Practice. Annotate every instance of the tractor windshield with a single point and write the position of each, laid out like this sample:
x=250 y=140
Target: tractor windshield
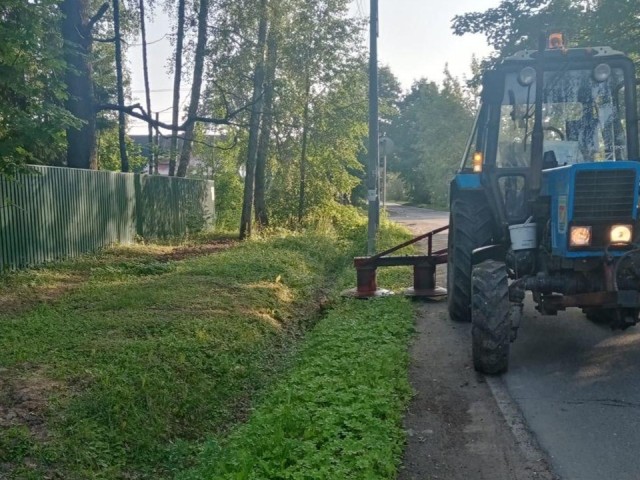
x=583 y=116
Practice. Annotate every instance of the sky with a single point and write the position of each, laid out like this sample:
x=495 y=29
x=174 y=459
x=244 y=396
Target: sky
x=415 y=41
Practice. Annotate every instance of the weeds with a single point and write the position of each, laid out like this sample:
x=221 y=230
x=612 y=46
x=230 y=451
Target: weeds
x=338 y=414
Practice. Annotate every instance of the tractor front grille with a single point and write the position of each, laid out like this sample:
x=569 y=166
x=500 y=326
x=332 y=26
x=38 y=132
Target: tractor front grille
x=603 y=195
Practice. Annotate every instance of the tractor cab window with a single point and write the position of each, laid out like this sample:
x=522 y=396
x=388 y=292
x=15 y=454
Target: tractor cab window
x=583 y=117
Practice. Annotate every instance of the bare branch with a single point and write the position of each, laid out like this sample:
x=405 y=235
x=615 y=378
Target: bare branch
x=138 y=112
x=99 y=14
x=104 y=40
x=236 y=140
x=132 y=110
x=230 y=147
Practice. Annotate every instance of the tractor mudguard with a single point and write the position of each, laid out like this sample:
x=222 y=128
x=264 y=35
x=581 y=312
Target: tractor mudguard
x=496 y=252
x=468 y=181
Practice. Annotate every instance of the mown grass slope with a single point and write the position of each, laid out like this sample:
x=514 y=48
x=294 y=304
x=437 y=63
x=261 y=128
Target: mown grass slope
x=127 y=364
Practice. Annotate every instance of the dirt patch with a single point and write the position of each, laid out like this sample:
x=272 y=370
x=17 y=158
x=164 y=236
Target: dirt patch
x=24 y=400
x=181 y=253
x=22 y=298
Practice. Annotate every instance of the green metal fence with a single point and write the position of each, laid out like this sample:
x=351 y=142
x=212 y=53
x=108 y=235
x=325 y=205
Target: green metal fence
x=55 y=213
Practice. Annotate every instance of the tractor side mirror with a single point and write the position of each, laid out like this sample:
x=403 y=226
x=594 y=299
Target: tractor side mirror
x=492 y=87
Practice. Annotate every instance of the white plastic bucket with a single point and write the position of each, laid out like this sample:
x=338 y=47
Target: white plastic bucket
x=523 y=236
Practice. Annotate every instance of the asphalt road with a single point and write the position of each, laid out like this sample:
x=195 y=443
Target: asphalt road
x=578 y=387
x=575 y=383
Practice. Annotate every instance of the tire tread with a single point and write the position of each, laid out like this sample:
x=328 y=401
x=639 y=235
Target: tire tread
x=491 y=320
x=473 y=226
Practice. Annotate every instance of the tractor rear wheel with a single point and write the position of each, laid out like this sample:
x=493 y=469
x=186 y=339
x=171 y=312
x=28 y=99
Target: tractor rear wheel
x=470 y=227
x=491 y=321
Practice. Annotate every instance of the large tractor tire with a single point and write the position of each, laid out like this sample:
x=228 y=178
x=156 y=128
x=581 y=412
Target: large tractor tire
x=470 y=227
x=491 y=321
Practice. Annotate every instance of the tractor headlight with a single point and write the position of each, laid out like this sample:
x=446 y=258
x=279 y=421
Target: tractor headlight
x=580 y=236
x=621 y=234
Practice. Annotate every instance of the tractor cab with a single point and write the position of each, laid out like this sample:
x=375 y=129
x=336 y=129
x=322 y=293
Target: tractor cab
x=587 y=114
x=546 y=198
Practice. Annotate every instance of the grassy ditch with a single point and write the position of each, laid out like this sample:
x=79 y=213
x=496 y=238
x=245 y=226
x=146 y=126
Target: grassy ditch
x=141 y=362
x=338 y=413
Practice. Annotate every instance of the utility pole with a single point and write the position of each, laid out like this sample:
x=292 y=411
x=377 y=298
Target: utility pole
x=372 y=170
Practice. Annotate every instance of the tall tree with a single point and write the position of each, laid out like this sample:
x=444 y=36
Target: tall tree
x=147 y=89
x=254 y=123
x=338 y=127
x=196 y=88
x=305 y=143
x=177 y=76
x=122 y=126
x=312 y=61
x=321 y=47
x=260 y=201
x=77 y=28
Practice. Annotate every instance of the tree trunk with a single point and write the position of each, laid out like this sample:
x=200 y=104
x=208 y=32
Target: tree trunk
x=303 y=153
x=198 y=68
x=122 y=126
x=265 y=132
x=76 y=33
x=254 y=125
x=176 y=88
x=156 y=151
x=147 y=90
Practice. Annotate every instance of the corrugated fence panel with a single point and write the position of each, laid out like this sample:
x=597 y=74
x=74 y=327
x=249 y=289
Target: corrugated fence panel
x=56 y=213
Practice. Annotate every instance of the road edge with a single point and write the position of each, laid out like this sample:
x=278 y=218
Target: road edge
x=514 y=418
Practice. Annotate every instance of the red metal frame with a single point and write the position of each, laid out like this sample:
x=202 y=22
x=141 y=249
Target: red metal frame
x=424 y=269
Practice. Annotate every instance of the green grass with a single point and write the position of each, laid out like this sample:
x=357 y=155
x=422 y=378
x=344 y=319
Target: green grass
x=129 y=364
x=338 y=414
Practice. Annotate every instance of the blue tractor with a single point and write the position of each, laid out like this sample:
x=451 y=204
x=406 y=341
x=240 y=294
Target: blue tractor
x=546 y=198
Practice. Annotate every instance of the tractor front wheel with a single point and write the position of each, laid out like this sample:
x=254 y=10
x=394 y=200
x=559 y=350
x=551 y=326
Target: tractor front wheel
x=470 y=227
x=491 y=321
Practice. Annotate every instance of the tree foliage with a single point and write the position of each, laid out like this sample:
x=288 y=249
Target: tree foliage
x=516 y=24
x=294 y=71
x=32 y=92
x=308 y=66
x=109 y=152
x=430 y=133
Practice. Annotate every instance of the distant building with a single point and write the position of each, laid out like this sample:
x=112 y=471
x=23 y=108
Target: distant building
x=196 y=164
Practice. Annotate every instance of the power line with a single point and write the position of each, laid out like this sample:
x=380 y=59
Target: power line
x=149 y=43
x=161 y=90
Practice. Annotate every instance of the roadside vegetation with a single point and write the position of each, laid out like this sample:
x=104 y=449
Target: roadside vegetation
x=152 y=361
x=338 y=413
